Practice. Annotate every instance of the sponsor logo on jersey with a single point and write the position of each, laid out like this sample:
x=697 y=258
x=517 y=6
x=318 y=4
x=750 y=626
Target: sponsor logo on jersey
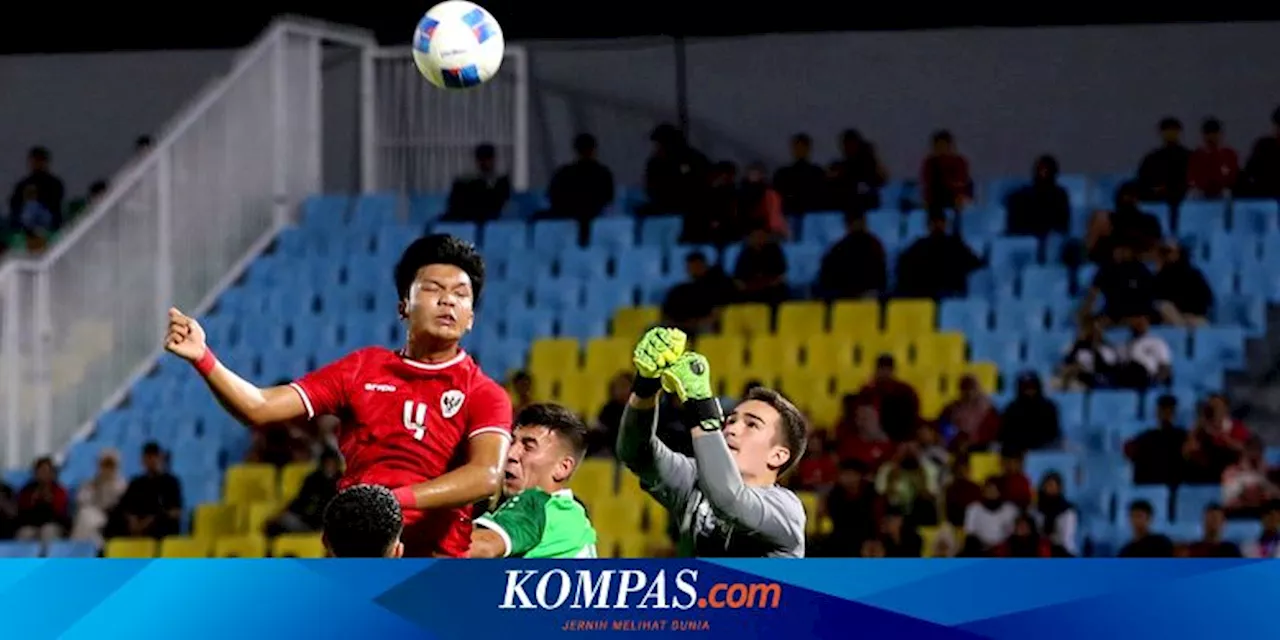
x=451 y=403
x=382 y=388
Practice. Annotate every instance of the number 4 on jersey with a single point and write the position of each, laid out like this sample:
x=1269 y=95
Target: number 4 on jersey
x=415 y=418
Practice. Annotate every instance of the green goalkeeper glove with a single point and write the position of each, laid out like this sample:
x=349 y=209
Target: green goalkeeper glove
x=657 y=349
x=690 y=379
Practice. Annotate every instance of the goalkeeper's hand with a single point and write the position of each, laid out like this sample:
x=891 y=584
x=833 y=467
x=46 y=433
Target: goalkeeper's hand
x=689 y=377
x=657 y=349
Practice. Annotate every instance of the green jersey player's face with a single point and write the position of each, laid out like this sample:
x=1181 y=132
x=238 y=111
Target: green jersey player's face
x=751 y=432
x=537 y=458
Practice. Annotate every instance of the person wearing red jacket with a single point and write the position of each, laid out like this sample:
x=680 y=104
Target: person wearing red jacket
x=44 y=507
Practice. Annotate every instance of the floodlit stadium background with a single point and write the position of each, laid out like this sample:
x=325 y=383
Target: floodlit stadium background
x=227 y=215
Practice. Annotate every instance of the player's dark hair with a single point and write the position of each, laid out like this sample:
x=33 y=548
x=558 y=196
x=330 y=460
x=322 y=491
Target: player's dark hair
x=793 y=428
x=363 y=521
x=1141 y=506
x=439 y=248
x=561 y=421
x=40 y=154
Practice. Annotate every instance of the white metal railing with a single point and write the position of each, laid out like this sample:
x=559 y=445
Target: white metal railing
x=418 y=138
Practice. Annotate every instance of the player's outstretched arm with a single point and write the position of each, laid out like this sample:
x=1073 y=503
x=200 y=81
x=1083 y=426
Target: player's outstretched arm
x=666 y=474
x=477 y=479
x=249 y=404
x=771 y=515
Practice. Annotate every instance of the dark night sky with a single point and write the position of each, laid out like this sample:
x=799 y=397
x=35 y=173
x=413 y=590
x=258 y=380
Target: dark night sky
x=97 y=27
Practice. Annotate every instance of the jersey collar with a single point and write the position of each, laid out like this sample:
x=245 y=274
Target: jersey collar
x=436 y=366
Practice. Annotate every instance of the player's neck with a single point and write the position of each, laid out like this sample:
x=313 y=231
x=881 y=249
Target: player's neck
x=429 y=352
x=762 y=480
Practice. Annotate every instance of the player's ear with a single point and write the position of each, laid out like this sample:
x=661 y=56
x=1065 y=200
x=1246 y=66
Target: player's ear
x=778 y=456
x=397 y=550
x=565 y=468
x=402 y=309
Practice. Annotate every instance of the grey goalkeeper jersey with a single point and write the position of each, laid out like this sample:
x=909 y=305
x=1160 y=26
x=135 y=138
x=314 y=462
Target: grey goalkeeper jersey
x=718 y=514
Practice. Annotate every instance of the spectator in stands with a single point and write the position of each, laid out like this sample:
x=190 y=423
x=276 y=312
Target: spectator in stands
x=1130 y=225
x=759 y=205
x=1126 y=285
x=854 y=181
x=1091 y=361
x=1015 y=486
x=945 y=182
x=1099 y=241
x=152 y=505
x=1245 y=486
x=49 y=191
x=675 y=177
x=305 y=513
x=1183 y=295
x=521 y=391
x=1211 y=543
x=715 y=219
x=142 y=144
x=910 y=484
x=692 y=305
x=581 y=189
x=1057 y=518
x=801 y=183
x=604 y=432
x=961 y=491
x=819 y=468
x=1261 y=178
x=895 y=401
x=761 y=271
x=1214 y=167
x=898 y=535
x=1156 y=454
x=96 y=498
x=1230 y=429
x=1145 y=543
x=479 y=197
x=1041 y=207
x=937 y=265
x=1024 y=541
x=854 y=508
x=1030 y=421
x=932 y=452
x=1146 y=360
x=8 y=511
x=872 y=549
x=971 y=421
x=44 y=506
x=860 y=434
x=988 y=522
x=33 y=219
x=1268 y=543
x=856 y=266
x=1208 y=450
x=1162 y=176
x=80 y=205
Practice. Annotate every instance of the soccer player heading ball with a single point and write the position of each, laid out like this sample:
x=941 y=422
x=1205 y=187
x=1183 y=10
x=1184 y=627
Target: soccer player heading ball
x=423 y=420
x=726 y=498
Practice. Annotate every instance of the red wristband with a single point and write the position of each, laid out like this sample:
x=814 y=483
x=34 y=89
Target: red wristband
x=206 y=363
x=404 y=496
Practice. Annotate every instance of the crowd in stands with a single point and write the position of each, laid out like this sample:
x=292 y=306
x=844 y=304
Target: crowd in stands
x=892 y=479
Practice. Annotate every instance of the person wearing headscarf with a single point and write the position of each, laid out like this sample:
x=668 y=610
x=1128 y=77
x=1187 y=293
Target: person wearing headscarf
x=97 y=497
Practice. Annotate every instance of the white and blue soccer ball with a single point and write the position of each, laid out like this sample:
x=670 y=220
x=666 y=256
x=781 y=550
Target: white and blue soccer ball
x=458 y=45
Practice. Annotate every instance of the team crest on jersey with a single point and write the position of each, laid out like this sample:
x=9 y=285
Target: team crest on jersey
x=451 y=402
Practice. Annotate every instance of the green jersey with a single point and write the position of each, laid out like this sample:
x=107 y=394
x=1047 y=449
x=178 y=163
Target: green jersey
x=537 y=524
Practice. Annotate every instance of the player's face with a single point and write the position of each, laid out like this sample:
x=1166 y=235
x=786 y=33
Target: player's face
x=752 y=434
x=441 y=303
x=536 y=459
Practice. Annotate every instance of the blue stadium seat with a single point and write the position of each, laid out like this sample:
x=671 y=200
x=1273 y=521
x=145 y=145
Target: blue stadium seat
x=9 y=549
x=677 y=256
x=1071 y=409
x=612 y=234
x=425 y=208
x=822 y=227
x=914 y=224
x=583 y=324
x=374 y=210
x=995 y=191
x=501 y=359
x=1020 y=315
x=1221 y=346
x=997 y=348
x=635 y=265
x=1248 y=312
x=526 y=204
x=325 y=212
x=982 y=223
x=1046 y=349
x=968 y=315
x=582 y=263
x=885 y=224
x=1178 y=338
x=1227 y=250
x=1011 y=254
x=1040 y=463
x=803 y=263
x=660 y=230
x=72 y=549
x=1045 y=283
x=605 y=297
x=1077 y=187
x=550 y=237
x=1161 y=212
x=1253 y=218
x=1242 y=531
x=1064 y=313
x=1190 y=501
x=526 y=325
x=467 y=231
x=505 y=236
x=1199 y=376
x=1199 y=219
x=986 y=285
x=1106 y=404
x=1104 y=190
x=391 y=240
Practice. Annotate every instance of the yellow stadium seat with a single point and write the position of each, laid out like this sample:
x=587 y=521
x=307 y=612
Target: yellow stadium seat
x=745 y=320
x=725 y=353
x=291 y=478
x=298 y=545
x=633 y=544
x=928 y=536
x=618 y=515
x=593 y=479
x=799 y=318
x=775 y=354
x=606 y=357
x=851 y=381
x=855 y=317
x=811 y=392
x=828 y=353
x=987 y=373
x=130 y=548
x=940 y=351
x=184 y=547
x=823 y=411
x=983 y=465
x=910 y=317
x=580 y=391
x=812 y=511
x=872 y=346
x=214 y=520
x=246 y=483
x=631 y=322
x=553 y=354
x=255 y=515
x=249 y=545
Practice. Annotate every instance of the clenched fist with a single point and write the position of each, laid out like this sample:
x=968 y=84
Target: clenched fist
x=185 y=338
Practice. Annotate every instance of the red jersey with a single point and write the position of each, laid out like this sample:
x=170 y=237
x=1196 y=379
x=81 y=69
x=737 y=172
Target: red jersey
x=405 y=422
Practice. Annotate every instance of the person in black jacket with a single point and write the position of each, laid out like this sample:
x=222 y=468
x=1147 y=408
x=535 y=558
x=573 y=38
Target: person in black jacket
x=937 y=265
x=1183 y=295
x=1041 y=207
x=1030 y=422
x=856 y=265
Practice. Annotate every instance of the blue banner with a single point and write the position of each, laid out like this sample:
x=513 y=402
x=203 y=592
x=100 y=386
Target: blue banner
x=738 y=599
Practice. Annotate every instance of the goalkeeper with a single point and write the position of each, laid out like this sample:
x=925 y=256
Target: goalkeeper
x=726 y=499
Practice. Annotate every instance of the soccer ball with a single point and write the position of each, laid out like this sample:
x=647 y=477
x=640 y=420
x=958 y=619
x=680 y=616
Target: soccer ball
x=458 y=45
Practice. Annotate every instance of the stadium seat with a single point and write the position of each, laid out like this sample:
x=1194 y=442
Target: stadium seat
x=966 y=315
x=292 y=476
x=1013 y=254
x=135 y=548
x=298 y=545
x=773 y=355
x=910 y=317
x=505 y=236
x=184 y=547
x=11 y=549
x=253 y=517
x=828 y=354
x=1156 y=495
x=802 y=318
x=549 y=354
x=1254 y=218
x=745 y=320
x=613 y=233
x=214 y=520
x=72 y=549
x=243 y=546
x=551 y=237
x=725 y=353
x=983 y=465
x=605 y=357
x=660 y=231
x=1190 y=501
x=246 y=483
x=855 y=317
